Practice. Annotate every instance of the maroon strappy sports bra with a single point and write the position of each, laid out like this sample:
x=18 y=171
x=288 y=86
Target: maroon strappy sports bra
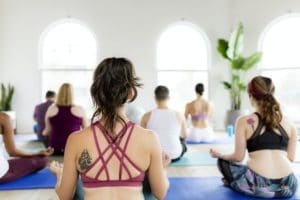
x=115 y=150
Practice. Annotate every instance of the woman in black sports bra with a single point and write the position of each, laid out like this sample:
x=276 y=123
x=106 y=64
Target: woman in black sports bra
x=271 y=143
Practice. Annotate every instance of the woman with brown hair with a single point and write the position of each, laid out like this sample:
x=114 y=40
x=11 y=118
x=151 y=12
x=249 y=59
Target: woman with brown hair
x=63 y=118
x=200 y=111
x=271 y=142
x=113 y=154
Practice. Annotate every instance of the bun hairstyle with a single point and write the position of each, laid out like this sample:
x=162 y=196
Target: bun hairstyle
x=199 y=89
x=113 y=83
x=262 y=90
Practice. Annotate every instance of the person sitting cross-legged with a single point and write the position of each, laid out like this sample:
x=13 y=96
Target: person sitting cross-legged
x=24 y=162
x=168 y=124
x=112 y=155
x=271 y=141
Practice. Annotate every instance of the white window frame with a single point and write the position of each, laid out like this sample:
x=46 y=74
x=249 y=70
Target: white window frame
x=262 y=37
x=74 y=68
x=208 y=50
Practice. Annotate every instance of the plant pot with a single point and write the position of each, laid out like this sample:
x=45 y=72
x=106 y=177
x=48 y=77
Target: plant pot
x=13 y=117
x=232 y=116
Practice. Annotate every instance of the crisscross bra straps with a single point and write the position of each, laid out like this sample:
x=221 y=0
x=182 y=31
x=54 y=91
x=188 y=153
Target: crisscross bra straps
x=118 y=151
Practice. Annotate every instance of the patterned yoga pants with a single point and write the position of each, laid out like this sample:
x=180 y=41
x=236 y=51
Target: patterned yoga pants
x=244 y=180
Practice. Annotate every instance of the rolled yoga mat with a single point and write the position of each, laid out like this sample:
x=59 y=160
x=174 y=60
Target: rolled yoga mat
x=203 y=188
x=40 y=180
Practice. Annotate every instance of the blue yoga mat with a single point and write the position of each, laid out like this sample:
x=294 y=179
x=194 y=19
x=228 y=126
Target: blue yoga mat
x=40 y=180
x=194 y=159
x=195 y=188
x=220 y=139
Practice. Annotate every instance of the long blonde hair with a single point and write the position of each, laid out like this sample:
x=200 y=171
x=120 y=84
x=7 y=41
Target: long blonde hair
x=65 y=95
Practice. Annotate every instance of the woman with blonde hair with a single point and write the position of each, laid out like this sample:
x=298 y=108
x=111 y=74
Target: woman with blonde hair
x=63 y=118
x=271 y=142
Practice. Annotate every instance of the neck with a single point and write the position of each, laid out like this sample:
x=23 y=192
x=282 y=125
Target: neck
x=121 y=112
x=50 y=99
x=162 y=105
x=199 y=96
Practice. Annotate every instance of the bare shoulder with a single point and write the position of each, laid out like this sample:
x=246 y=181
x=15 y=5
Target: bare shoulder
x=189 y=104
x=147 y=114
x=145 y=119
x=3 y=116
x=77 y=110
x=247 y=119
x=52 y=110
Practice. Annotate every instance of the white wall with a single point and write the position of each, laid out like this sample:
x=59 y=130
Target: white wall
x=123 y=28
x=127 y=28
x=256 y=15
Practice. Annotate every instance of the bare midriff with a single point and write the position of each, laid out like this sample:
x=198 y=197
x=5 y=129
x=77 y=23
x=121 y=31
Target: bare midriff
x=114 y=193
x=200 y=123
x=272 y=164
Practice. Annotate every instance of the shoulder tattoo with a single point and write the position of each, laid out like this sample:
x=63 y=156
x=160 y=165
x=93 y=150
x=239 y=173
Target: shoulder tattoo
x=84 y=160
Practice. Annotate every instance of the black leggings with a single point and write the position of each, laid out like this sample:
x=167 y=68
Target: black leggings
x=224 y=168
x=184 y=150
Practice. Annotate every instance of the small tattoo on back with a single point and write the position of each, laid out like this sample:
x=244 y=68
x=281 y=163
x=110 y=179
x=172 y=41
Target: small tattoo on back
x=84 y=160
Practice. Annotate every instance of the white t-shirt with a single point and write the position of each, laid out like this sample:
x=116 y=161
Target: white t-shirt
x=3 y=162
x=166 y=124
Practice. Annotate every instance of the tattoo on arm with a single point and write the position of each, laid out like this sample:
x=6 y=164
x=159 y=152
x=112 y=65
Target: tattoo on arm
x=84 y=160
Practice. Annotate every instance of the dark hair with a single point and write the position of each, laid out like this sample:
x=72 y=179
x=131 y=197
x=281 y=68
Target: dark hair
x=161 y=93
x=199 y=88
x=114 y=80
x=262 y=90
x=50 y=94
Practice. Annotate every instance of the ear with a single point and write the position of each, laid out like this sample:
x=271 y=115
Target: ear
x=130 y=94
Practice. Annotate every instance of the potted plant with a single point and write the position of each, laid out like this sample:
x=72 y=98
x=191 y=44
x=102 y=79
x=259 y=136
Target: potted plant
x=6 y=96
x=232 y=51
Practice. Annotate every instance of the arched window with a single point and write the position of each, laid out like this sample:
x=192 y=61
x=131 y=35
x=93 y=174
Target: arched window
x=182 y=62
x=280 y=44
x=68 y=54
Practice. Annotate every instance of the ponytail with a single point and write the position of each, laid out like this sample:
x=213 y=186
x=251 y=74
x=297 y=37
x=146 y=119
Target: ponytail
x=270 y=111
x=262 y=90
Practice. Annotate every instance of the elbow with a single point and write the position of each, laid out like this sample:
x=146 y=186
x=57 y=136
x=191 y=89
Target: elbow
x=239 y=159
x=292 y=159
x=12 y=152
x=61 y=195
x=45 y=133
x=160 y=195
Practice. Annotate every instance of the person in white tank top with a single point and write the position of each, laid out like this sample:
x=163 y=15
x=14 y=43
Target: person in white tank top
x=3 y=162
x=168 y=124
